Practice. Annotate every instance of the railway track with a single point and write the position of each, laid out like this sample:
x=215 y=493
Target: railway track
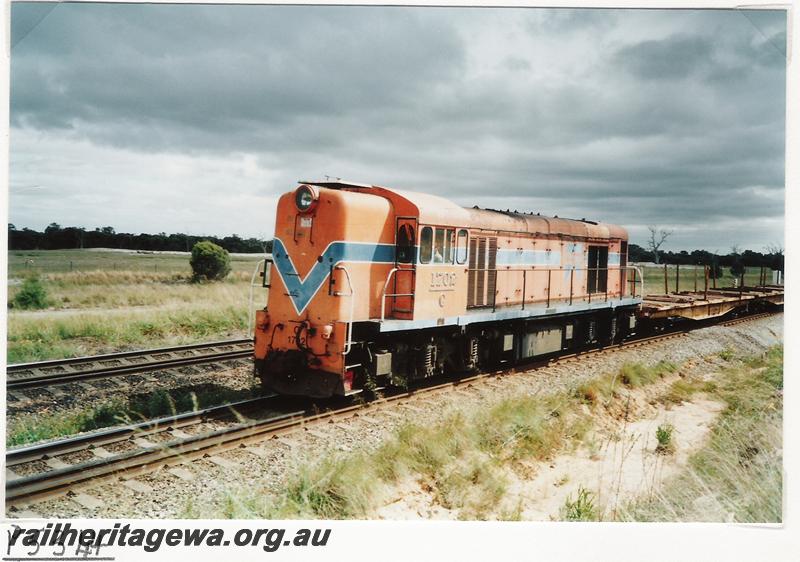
x=178 y=447
x=61 y=371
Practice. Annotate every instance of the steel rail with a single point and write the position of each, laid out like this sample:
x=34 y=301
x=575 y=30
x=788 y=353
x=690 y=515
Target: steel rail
x=180 y=450
x=121 y=355
x=94 y=372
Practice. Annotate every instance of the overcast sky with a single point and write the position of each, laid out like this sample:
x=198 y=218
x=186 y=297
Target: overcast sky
x=191 y=118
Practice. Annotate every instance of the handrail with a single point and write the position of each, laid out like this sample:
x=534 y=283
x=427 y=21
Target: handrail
x=384 y=294
x=250 y=313
x=349 y=342
x=638 y=279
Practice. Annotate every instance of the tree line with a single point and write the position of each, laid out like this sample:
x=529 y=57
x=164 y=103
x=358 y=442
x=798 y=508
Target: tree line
x=56 y=237
x=735 y=259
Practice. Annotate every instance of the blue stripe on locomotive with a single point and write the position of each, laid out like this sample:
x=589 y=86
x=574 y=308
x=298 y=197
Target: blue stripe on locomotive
x=301 y=291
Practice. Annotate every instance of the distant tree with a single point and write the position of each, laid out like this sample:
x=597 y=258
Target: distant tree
x=775 y=260
x=209 y=261
x=715 y=270
x=657 y=239
x=737 y=264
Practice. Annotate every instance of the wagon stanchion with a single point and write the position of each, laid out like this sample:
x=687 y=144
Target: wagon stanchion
x=705 y=291
x=677 y=278
x=694 y=269
x=741 y=284
x=524 y=280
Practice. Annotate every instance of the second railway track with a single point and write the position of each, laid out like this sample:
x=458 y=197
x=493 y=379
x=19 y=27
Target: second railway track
x=62 y=371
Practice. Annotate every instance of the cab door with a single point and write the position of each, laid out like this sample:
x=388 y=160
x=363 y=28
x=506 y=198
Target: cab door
x=402 y=300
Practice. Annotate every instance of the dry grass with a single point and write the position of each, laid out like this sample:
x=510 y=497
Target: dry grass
x=43 y=336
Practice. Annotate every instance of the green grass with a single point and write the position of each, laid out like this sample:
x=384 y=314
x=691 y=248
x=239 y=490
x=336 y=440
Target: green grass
x=30 y=428
x=631 y=375
x=738 y=475
x=114 y=301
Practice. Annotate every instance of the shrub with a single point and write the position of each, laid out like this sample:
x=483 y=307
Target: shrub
x=209 y=261
x=580 y=509
x=32 y=294
x=664 y=437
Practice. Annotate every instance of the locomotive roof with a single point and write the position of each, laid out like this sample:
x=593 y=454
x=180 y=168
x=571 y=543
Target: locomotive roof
x=436 y=210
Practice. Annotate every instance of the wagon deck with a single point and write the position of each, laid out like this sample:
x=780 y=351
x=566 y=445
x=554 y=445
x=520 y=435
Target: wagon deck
x=700 y=305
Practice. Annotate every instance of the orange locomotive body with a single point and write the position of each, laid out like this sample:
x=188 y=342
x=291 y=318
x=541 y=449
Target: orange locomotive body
x=371 y=286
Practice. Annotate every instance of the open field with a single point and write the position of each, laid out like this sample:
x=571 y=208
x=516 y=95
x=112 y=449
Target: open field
x=22 y=262
x=692 y=278
x=120 y=300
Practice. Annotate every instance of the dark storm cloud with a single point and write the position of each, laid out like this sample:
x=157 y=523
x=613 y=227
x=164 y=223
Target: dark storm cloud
x=669 y=117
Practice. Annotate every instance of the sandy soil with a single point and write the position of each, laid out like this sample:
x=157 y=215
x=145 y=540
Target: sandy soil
x=617 y=462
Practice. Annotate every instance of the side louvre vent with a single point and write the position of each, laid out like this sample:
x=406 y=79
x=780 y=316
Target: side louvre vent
x=472 y=275
x=480 y=298
x=482 y=278
x=491 y=285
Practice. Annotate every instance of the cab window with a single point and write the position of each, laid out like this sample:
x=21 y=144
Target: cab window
x=461 y=247
x=438 y=246
x=405 y=244
x=426 y=245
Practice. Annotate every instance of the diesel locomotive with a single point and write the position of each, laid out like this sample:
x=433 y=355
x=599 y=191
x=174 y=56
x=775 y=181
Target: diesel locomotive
x=371 y=286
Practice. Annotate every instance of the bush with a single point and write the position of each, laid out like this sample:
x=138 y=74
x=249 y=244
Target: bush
x=209 y=261
x=582 y=508
x=666 y=444
x=32 y=294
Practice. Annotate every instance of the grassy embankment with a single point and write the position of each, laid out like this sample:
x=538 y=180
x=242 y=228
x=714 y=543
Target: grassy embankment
x=738 y=475
x=461 y=461
x=112 y=301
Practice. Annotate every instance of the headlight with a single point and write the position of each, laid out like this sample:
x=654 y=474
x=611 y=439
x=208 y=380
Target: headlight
x=304 y=198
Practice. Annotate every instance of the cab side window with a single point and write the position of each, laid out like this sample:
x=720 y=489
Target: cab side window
x=461 y=247
x=438 y=246
x=426 y=245
x=405 y=244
